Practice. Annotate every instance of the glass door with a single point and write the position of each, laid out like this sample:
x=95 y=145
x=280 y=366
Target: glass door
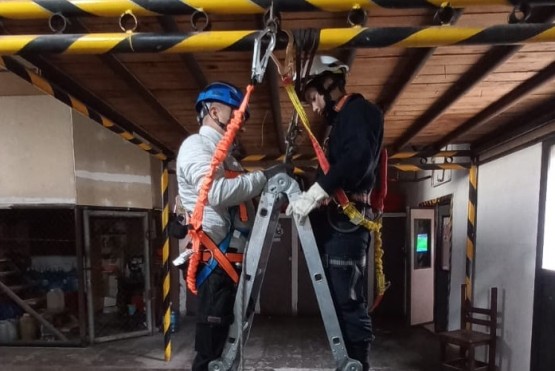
x=422 y=247
x=117 y=274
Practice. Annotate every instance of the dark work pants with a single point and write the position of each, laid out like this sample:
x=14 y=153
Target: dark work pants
x=347 y=285
x=215 y=315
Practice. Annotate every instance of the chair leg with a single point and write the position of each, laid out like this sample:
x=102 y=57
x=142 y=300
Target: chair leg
x=442 y=351
x=470 y=358
x=491 y=356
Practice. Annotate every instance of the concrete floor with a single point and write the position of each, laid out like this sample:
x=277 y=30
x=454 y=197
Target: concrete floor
x=283 y=344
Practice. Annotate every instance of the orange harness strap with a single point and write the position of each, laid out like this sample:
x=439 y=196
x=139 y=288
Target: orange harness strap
x=233 y=257
x=222 y=260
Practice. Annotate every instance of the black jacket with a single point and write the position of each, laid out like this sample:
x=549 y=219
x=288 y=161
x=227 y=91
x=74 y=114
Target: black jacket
x=354 y=146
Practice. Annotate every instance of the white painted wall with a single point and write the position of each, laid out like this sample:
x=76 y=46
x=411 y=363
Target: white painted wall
x=36 y=151
x=50 y=154
x=508 y=201
x=109 y=171
x=507 y=217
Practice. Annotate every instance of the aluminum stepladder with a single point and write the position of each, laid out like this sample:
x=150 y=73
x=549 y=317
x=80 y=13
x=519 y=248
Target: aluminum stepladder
x=277 y=191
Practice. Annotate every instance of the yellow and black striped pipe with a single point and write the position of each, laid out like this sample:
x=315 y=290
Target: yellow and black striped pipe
x=42 y=84
x=409 y=155
x=166 y=301
x=423 y=167
x=36 y=9
x=330 y=38
x=471 y=229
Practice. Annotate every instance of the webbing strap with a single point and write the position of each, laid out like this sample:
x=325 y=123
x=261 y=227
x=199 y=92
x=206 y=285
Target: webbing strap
x=219 y=257
x=212 y=263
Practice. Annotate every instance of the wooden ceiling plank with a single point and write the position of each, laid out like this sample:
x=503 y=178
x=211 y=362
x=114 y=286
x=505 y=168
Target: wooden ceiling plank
x=543 y=113
x=168 y=24
x=487 y=63
x=406 y=70
x=66 y=82
x=132 y=81
x=500 y=105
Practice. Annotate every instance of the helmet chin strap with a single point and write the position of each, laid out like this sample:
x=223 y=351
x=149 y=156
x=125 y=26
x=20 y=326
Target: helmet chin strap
x=330 y=103
x=218 y=122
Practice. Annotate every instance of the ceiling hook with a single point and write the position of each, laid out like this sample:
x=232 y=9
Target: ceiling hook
x=357 y=16
x=128 y=21
x=57 y=23
x=200 y=21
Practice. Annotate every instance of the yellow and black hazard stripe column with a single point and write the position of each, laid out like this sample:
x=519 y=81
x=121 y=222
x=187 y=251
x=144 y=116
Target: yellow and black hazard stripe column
x=42 y=84
x=166 y=303
x=471 y=229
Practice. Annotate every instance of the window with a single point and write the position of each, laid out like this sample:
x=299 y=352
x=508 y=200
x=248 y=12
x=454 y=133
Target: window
x=549 y=220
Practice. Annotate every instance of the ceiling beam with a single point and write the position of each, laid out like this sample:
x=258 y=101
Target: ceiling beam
x=487 y=63
x=543 y=113
x=135 y=85
x=497 y=107
x=168 y=24
x=407 y=69
x=67 y=83
x=132 y=81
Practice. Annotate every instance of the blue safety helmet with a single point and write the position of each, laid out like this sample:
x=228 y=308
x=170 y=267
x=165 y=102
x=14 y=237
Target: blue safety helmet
x=221 y=92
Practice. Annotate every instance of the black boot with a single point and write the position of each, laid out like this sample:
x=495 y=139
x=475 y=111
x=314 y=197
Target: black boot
x=359 y=352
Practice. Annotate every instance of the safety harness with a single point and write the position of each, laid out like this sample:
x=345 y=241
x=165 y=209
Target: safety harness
x=198 y=236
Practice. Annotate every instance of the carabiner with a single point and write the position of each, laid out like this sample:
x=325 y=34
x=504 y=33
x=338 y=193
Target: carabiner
x=259 y=64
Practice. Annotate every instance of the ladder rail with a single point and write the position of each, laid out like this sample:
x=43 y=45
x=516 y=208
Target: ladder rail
x=257 y=252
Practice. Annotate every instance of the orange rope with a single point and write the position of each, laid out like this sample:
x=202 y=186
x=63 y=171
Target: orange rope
x=219 y=156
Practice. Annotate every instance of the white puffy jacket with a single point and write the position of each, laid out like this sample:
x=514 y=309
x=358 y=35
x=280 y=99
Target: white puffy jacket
x=193 y=162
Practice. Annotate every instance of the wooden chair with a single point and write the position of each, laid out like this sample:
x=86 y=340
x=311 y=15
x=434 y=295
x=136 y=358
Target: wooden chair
x=467 y=339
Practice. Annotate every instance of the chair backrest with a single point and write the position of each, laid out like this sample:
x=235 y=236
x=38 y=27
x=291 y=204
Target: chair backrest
x=471 y=315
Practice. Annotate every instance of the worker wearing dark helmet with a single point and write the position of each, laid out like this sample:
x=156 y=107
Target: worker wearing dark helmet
x=353 y=149
x=228 y=215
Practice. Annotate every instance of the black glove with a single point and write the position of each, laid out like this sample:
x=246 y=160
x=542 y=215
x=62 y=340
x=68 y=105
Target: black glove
x=276 y=169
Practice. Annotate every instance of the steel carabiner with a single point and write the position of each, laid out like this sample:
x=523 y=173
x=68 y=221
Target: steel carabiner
x=259 y=63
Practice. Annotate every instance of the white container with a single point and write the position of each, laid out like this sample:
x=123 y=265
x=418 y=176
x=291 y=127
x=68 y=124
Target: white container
x=28 y=328
x=55 y=301
x=8 y=331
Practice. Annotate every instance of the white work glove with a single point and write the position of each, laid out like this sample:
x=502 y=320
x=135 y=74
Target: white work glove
x=306 y=202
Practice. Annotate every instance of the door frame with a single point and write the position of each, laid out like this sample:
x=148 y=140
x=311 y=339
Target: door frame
x=538 y=358
x=87 y=213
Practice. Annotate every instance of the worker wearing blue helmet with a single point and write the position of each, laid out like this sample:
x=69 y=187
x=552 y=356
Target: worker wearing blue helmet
x=228 y=215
